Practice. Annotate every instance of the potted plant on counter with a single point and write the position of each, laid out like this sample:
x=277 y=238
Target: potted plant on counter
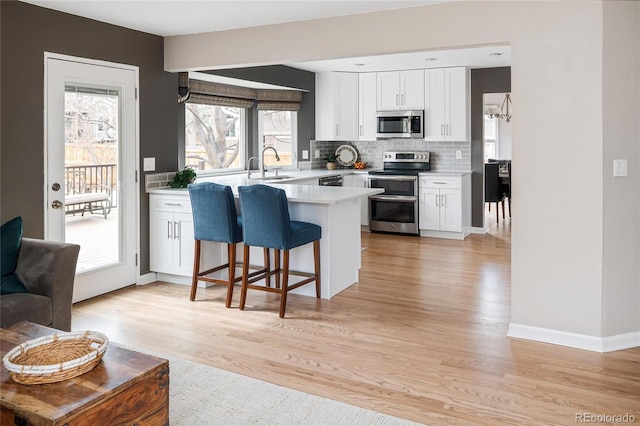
x=183 y=178
x=331 y=161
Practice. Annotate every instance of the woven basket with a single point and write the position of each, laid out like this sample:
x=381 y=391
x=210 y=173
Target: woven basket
x=56 y=357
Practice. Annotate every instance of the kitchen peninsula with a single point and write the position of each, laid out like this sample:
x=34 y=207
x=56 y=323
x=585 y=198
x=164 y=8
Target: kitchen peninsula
x=335 y=209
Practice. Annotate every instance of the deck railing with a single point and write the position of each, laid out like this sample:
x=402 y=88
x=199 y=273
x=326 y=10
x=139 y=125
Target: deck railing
x=92 y=178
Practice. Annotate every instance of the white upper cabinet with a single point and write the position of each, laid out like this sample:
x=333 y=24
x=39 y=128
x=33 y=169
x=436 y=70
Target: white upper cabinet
x=367 y=106
x=400 y=90
x=337 y=106
x=447 y=104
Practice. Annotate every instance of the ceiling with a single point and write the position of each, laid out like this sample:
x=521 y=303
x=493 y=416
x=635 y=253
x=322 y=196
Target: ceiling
x=180 y=17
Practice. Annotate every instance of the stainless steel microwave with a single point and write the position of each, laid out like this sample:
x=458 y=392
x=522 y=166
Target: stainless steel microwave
x=399 y=124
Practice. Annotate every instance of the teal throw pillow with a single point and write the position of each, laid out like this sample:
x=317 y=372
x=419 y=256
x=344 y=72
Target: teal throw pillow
x=10 y=240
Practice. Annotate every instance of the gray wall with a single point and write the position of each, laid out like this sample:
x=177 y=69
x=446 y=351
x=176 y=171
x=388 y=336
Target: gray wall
x=28 y=31
x=485 y=80
x=283 y=76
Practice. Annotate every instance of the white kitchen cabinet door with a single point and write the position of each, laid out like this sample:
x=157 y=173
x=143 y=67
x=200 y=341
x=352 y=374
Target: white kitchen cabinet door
x=184 y=243
x=434 y=117
x=412 y=90
x=161 y=241
x=450 y=210
x=336 y=106
x=388 y=91
x=429 y=209
x=456 y=104
x=400 y=90
x=447 y=98
x=367 y=106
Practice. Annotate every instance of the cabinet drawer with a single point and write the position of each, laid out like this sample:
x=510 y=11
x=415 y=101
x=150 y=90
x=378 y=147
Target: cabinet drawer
x=441 y=182
x=180 y=205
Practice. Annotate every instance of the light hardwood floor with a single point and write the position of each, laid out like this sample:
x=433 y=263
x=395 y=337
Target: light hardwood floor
x=422 y=337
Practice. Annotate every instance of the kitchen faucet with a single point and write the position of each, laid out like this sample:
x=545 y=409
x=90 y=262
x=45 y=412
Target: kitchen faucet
x=263 y=167
x=249 y=166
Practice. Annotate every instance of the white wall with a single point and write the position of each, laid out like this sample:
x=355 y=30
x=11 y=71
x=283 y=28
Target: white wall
x=557 y=53
x=621 y=118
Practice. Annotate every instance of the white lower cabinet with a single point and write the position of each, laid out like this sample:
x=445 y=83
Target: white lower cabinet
x=171 y=235
x=359 y=180
x=445 y=206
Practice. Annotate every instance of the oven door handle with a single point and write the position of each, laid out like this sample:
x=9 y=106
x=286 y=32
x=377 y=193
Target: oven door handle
x=402 y=178
x=398 y=198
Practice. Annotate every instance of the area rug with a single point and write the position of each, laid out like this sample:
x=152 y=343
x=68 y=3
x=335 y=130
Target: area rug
x=203 y=395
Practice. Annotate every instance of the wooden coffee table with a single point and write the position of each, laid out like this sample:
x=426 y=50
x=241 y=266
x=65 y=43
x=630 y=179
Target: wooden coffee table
x=126 y=387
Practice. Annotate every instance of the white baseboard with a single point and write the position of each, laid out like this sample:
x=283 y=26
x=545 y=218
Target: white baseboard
x=147 y=278
x=476 y=230
x=621 y=341
x=579 y=341
x=442 y=234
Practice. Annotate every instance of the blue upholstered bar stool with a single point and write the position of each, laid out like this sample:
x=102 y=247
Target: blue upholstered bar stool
x=266 y=223
x=215 y=219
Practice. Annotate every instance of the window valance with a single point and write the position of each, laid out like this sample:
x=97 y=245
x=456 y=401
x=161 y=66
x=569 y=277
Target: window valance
x=278 y=100
x=210 y=93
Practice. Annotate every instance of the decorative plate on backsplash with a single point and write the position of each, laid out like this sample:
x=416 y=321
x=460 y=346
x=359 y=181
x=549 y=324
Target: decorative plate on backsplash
x=346 y=155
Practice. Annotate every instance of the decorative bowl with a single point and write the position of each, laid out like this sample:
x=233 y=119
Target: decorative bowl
x=360 y=164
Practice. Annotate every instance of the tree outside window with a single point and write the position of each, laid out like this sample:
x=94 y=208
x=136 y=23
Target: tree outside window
x=278 y=129
x=214 y=137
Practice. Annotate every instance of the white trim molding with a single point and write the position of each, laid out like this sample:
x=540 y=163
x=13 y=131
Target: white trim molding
x=147 y=278
x=477 y=230
x=573 y=340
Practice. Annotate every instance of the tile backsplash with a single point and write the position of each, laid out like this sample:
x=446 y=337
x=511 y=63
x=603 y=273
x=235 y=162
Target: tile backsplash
x=443 y=154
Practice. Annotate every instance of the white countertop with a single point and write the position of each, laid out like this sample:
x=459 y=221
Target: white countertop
x=312 y=194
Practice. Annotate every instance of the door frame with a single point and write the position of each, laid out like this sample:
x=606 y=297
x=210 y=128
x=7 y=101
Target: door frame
x=136 y=71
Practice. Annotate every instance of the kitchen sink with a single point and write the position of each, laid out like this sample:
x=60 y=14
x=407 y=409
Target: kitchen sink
x=279 y=177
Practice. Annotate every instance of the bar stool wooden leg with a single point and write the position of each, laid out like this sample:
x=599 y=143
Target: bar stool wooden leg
x=316 y=262
x=196 y=270
x=285 y=283
x=231 y=249
x=245 y=277
x=276 y=261
x=267 y=267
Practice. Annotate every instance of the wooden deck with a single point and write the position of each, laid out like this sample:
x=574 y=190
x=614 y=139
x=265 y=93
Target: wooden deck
x=97 y=236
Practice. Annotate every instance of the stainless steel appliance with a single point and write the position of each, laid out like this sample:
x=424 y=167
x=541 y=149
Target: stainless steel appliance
x=399 y=124
x=335 y=180
x=396 y=210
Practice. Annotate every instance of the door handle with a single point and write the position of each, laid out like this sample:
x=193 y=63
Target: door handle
x=397 y=100
x=169 y=236
x=55 y=186
x=442 y=200
x=176 y=230
x=57 y=204
x=437 y=205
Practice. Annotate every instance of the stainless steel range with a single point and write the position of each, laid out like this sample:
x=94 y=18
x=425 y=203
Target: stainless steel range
x=396 y=210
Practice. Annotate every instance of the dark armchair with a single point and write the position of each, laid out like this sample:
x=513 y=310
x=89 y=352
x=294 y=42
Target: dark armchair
x=48 y=271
